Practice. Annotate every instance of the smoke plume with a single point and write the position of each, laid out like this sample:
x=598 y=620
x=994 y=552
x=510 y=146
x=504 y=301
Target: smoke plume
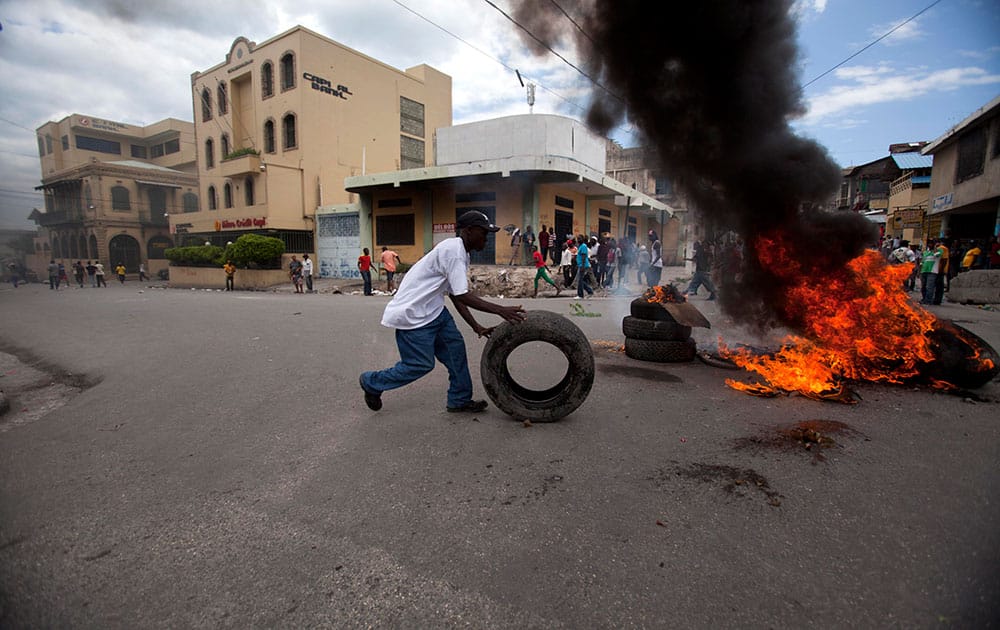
x=712 y=87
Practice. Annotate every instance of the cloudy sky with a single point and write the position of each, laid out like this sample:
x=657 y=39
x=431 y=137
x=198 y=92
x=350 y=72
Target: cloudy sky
x=131 y=61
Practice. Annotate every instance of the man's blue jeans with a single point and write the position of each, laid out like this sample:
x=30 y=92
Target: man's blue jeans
x=417 y=350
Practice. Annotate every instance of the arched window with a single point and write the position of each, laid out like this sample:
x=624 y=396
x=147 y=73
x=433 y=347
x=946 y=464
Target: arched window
x=55 y=247
x=83 y=246
x=206 y=105
x=190 y=202
x=209 y=153
x=213 y=201
x=248 y=190
x=224 y=145
x=227 y=195
x=288 y=132
x=269 y=136
x=157 y=201
x=266 y=80
x=74 y=247
x=287 y=71
x=120 y=198
x=93 y=247
x=223 y=98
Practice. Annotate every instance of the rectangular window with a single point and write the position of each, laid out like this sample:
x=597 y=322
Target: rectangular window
x=171 y=146
x=475 y=197
x=663 y=186
x=41 y=146
x=971 y=155
x=411 y=117
x=156 y=150
x=564 y=202
x=395 y=229
x=995 y=152
x=411 y=153
x=48 y=144
x=97 y=144
x=65 y=143
x=139 y=151
x=604 y=213
x=401 y=202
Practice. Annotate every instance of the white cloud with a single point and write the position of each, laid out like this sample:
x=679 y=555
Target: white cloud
x=882 y=84
x=904 y=32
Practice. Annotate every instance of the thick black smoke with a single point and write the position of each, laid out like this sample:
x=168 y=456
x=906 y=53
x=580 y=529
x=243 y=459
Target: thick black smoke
x=712 y=86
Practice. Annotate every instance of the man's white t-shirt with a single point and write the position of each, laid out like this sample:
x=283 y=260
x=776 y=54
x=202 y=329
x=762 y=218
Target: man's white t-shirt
x=307 y=267
x=420 y=297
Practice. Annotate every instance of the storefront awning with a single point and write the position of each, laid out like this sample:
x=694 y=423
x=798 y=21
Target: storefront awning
x=62 y=183
x=160 y=184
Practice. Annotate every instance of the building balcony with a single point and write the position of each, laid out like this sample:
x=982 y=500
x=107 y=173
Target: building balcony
x=153 y=218
x=55 y=217
x=245 y=164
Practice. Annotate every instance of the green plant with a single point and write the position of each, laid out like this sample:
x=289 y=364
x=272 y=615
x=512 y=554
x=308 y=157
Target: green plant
x=255 y=250
x=196 y=256
x=239 y=153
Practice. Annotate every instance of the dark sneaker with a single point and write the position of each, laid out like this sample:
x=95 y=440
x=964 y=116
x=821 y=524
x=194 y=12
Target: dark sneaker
x=711 y=298
x=473 y=406
x=374 y=401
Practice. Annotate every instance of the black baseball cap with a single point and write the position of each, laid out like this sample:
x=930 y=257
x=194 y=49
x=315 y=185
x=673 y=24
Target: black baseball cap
x=478 y=219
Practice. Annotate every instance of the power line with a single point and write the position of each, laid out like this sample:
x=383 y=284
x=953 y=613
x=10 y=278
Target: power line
x=549 y=48
x=573 y=22
x=888 y=33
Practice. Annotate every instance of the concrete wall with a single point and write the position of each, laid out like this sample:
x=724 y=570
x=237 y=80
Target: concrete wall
x=215 y=278
x=527 y=135
x=979 y=286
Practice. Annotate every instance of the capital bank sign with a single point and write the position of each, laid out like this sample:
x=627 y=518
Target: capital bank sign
x=325 y=86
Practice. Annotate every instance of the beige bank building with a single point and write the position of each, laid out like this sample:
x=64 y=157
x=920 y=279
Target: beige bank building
x=304 y=139
x=109 y=188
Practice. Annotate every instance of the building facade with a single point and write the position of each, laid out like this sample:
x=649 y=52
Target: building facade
x=965 y=183
x=280 y=125
x=109 y=188
x=520 y=171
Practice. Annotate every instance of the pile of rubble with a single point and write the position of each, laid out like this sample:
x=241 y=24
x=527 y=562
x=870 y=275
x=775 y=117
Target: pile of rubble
x=509 y=281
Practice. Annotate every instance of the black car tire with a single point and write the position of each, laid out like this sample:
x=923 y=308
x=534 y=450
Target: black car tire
x=652 y=311
x=546 y=405
x=654 y=330
x=660 y=351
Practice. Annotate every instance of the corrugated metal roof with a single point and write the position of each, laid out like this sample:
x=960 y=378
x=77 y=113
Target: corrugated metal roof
x=920 y=179
x=912 y=160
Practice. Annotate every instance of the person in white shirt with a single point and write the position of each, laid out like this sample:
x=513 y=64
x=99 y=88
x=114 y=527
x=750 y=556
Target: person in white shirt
x=307 y=271
x=425 y=330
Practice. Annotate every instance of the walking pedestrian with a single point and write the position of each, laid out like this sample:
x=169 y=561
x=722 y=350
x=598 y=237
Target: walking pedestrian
x=567 y=263
x=702 y=272
x=91 y=274
x=390 y=261
x=230 y=269
x=99 y=275
x=78 y=272
x=425 y=330
x=365 y=267
x=930 y=267
x=142 y=272
x=53 y=275
x=120 y=271
x=307 y=272
x=642 y=266
x=655 y=259
x=582 y=267
x=15 y=277
x=541 y=271
x=295 y=272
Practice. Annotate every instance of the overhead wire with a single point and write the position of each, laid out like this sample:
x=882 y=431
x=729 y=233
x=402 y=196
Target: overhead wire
x=870 y=44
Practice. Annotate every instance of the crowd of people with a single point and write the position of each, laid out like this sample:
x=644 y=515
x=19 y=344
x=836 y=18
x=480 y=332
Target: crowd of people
x=936 y=264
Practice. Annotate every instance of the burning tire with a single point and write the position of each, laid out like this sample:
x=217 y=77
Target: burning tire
x=546 y=405
x=660 y=351
x=636 y=328
x=641 y=309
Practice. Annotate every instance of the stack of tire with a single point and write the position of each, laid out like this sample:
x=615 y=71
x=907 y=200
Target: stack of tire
x=652 y=334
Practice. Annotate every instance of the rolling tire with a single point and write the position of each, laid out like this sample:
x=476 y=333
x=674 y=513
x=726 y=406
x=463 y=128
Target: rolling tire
x=654 y=330
x=660 y=351
x=538 y=405
x=642 y=309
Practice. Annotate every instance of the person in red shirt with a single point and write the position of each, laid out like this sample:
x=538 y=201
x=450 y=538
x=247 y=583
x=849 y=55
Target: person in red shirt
x=541 y=271
x=543 y=242
x=993 y=254
x=365 y=267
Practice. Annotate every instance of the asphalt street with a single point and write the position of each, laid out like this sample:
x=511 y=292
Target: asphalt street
x=218 y=468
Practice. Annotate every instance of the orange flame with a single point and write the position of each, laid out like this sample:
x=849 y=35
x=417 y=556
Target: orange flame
x=857 y=325
x=667 y=293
